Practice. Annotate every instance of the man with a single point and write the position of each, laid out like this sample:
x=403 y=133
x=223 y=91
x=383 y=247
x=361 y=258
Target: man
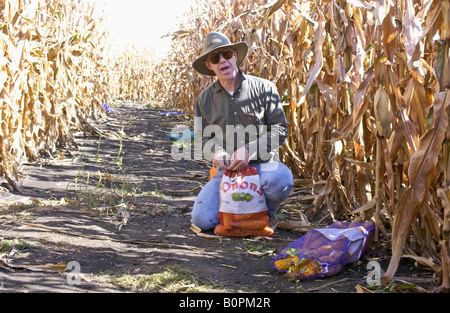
x=242 y=123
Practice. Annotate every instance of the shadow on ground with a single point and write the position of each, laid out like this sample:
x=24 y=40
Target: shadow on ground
x=71 y=211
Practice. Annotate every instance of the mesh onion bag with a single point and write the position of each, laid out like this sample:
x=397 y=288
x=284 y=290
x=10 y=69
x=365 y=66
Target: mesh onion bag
x=324 y=252
x=243 y=209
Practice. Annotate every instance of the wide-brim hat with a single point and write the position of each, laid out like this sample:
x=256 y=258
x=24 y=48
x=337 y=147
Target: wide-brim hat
x=215 y=41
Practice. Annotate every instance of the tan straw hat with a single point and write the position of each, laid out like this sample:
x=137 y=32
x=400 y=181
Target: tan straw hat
x=215 y=41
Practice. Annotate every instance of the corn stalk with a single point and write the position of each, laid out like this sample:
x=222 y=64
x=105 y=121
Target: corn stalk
x=51 y=63
x=57 y=68
x=364 y=84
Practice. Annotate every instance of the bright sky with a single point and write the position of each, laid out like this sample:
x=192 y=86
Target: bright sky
x=143 y=22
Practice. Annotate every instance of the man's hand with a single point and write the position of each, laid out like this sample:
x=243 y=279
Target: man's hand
x=221 y=160
x=239 y=160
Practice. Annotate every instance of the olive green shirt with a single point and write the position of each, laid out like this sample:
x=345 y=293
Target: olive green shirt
x=252 y=117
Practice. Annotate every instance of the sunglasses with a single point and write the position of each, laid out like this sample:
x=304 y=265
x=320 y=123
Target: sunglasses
x=214 y=57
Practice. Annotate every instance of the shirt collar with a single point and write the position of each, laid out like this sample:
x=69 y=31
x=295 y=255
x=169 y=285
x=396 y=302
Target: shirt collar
x=218 y=86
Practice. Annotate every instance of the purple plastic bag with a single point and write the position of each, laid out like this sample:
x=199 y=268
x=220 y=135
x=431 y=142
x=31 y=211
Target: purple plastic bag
x=333 y=247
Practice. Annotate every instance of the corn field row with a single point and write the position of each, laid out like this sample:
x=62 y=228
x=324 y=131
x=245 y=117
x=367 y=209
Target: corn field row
x=365 y=88
x=57 y=69
x=51 y=74
x=364 y=85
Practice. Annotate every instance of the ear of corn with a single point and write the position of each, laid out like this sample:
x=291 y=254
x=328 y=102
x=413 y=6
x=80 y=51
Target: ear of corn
x=304 y=267
x=283 y=264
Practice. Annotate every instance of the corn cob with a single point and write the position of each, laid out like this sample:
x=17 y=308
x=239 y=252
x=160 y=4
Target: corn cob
x=283 y=264
x=305 y=267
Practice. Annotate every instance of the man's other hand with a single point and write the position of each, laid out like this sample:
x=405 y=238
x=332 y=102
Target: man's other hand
x=239 y=160
x=221 y=160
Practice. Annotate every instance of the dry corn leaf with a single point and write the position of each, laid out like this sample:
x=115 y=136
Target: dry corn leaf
x=199 y=233
x=319 y=36
x=295 y=225
x=53 y=80
x=362 y=289
x=51 y=268
x=420 y=172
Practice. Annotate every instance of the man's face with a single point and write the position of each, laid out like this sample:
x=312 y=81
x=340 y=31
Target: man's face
x=223 y=62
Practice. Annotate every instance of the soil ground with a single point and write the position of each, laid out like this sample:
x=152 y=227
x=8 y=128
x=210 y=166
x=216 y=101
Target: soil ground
x=70 y=211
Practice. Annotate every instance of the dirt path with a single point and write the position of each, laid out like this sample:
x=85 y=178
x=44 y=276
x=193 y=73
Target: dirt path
x=144 y=246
